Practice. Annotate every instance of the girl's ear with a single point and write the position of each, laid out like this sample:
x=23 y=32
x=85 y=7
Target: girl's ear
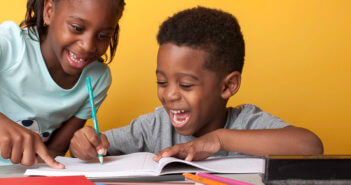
x=231 y=84
x=48 y=12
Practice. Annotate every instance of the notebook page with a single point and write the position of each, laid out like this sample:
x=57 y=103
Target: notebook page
x=136 y=164
x=217 y=165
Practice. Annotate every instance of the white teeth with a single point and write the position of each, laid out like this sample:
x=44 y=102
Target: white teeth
x=177 y=111
x=179 y=122
x=74 y=58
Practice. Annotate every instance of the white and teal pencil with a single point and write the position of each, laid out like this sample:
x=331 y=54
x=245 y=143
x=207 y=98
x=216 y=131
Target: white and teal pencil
x=93 y=113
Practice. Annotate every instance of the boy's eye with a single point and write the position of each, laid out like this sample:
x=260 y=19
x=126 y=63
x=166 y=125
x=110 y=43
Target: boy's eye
x=161 y=83
x=186 y=86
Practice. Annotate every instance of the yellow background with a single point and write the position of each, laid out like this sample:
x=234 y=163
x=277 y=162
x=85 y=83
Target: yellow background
x=297 y=67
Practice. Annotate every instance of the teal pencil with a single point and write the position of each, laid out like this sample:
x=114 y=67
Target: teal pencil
x=93 y=113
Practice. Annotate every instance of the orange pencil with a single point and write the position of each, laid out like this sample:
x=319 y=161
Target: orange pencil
x=202 y=180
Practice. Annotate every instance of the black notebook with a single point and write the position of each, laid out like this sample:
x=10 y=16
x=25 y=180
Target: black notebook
x=320 y=169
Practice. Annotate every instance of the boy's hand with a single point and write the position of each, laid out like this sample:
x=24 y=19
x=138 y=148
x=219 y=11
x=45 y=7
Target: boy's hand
x=197 y=149
x=21 y=145
x=85 y=144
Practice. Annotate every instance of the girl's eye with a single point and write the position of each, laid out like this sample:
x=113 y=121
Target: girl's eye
x=104 y=36
x=77 y=28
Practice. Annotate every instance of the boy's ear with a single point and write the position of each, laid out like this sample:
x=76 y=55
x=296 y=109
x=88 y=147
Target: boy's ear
x=231 y=84
x=48 y=12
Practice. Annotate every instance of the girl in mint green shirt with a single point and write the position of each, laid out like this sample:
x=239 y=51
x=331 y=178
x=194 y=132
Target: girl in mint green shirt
x=43 y=66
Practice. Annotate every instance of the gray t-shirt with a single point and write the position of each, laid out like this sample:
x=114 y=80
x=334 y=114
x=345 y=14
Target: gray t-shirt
x=154 y=132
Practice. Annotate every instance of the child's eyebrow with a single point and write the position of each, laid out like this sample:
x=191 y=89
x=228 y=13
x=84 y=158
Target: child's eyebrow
x=75 y=17
x=181 y=74
x=82 y=20
x=189 y=75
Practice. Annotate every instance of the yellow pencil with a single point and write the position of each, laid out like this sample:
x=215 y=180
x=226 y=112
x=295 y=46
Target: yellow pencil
x=202 y=180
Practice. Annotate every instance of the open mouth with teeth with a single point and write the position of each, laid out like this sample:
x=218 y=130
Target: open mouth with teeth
x=179 y=118
x=75 y=60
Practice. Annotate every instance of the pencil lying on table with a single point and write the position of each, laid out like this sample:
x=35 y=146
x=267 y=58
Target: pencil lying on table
x=222 y=179
x=202 y=180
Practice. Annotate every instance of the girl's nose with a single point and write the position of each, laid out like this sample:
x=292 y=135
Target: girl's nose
x=88 y=44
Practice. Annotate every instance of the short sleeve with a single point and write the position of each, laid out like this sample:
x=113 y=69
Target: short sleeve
x=252 y=117
x=134 y=137
x=100 y=80
x=11 y=44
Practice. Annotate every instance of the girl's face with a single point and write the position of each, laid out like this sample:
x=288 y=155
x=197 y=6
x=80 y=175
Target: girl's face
x=79 y=32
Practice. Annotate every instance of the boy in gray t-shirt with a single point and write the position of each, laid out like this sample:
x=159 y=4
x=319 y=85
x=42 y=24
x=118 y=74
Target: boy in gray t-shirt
x=199 y=67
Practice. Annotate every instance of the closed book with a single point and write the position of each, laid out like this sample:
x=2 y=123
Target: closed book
x=311 y=169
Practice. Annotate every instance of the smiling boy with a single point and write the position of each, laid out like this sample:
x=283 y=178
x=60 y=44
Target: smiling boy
x=199 y=67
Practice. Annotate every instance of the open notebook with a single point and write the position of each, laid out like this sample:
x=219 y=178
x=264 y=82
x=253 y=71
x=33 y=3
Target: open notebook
x=141 y=164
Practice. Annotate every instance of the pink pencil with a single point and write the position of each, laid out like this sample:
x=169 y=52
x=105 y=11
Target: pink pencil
x=222 y=179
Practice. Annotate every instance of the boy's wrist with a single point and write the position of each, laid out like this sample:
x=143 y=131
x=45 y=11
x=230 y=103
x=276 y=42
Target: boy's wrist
x=219 y=137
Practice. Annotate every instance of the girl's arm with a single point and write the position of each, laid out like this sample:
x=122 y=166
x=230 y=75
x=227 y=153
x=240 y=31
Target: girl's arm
x=59 y=142
x=284 y=141
x=21 y=145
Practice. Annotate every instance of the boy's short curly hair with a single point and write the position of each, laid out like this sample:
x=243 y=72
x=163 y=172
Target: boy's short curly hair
x=216 y=32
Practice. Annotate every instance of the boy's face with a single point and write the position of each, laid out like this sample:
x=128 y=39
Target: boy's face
x=190 y=93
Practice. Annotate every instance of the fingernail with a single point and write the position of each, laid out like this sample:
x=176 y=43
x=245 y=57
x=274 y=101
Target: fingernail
x=60 y=166
x=164 y=154
x=101 y=151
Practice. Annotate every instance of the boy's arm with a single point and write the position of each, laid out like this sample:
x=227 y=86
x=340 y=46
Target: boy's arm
x=138 y=136
x=283 y=141
x=59 y=142
x=85 y=144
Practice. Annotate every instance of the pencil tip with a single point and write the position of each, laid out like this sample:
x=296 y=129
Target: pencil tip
x=101 y=160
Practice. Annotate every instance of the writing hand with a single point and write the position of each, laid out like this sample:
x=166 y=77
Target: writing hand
x=85 y=144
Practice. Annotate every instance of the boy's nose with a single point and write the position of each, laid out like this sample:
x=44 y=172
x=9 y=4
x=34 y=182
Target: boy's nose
x=172 y=94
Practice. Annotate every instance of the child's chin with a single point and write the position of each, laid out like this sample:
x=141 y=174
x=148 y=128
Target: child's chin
x=184 y=132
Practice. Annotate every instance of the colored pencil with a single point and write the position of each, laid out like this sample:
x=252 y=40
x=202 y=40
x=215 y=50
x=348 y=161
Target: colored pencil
x=222 y=179
x=93 y=113
x=202 y=180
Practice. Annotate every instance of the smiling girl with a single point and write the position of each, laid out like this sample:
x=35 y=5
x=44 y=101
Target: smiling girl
x=43 y=64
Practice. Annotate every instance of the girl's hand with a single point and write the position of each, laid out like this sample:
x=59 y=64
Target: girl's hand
x=197 y=149
x=85 y=144
x=21 y=145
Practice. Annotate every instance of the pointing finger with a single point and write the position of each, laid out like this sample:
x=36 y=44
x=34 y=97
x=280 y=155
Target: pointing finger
x=41 y=150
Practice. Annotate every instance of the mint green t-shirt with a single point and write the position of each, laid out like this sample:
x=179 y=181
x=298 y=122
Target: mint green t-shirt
x=28 y=94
